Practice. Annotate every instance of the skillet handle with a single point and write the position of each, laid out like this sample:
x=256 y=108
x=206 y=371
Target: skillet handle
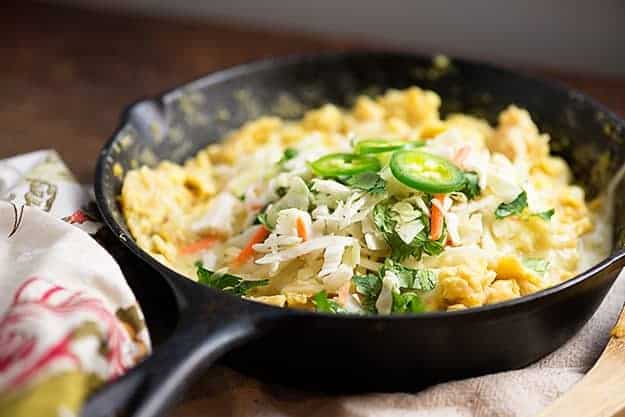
x=152 y=387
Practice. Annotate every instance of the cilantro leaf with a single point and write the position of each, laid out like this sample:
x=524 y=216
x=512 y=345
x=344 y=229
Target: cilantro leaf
x=324 y=304
x=407 y=302
x=369 y=287
x=383 y=218
x=435 y=247
x=471 y=186
x=262 y=219
x=281 y=191
x=516 y=206
x=367 y=181
x=412 y=279
x=243 y=287
x=407 y=299
x=369 y=284
x=538 y=265
x=545 y=215
x=424 y=280
x=289 y=153
x=226 y=282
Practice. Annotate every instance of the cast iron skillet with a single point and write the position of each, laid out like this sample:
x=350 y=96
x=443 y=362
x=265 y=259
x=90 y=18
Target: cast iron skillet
x=350 y=353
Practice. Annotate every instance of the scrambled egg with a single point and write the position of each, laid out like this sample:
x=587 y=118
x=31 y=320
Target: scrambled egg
x=486 y=259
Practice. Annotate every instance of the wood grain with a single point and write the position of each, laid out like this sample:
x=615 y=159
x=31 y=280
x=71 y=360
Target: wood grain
x=601 y=392
x=66 y=74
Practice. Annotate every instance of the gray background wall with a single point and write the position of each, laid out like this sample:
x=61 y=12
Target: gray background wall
x=571 y=34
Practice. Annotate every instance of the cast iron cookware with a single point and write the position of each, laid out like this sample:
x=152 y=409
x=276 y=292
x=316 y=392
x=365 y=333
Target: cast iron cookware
x=348 y=352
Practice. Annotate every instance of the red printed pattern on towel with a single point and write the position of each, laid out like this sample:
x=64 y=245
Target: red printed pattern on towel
x=36 y=333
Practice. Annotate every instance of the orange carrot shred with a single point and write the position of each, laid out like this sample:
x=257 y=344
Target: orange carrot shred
x=301 y=228
x=460 y=155
x=343 y=293
x=198 y=245
x=248 y=251
x=436 y=220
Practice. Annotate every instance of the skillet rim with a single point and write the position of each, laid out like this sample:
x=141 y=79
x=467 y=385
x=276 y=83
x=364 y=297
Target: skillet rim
x=253 y=66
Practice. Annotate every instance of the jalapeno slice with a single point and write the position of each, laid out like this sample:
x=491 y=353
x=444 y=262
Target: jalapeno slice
x=338 y=164
x=372 y=146
x=426 y=172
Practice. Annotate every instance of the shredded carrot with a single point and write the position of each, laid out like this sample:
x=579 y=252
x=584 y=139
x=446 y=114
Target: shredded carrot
x=301 y=228
x=198 y=245
x=248 y=251
x=436 y=220
x=460 y=155
x=256 y=207
x=343 y=293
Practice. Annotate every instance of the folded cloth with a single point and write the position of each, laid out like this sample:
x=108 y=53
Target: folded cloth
x=68 y=320
x=40 y=179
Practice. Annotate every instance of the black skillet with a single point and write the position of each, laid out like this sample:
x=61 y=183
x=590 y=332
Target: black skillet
x=349 y=353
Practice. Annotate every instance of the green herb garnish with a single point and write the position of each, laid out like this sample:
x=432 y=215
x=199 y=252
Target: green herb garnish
x=435 y=247
x=412 y=279
x=471 y=186
x=324 y=304
x=262 y=219
x=367 y=181
x=281 y=191
x=516 y=206
x=538 y=265
x=411 y=283
x=407 y=302
x=226 y=282
x=383 y=218
x=369 y=287
x=289 y=153
x=545 y=215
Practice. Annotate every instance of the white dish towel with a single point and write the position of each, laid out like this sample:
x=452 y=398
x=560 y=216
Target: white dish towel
x=68 y=320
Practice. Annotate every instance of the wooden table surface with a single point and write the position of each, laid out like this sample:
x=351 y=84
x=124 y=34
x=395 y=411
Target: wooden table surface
x=66 y=74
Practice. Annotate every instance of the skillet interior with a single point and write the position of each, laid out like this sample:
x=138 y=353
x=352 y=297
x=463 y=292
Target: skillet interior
x=377 y=353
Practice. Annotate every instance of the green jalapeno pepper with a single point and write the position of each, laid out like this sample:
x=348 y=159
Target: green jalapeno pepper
x=339 y=164
x=426 y=172
x=374 y=146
